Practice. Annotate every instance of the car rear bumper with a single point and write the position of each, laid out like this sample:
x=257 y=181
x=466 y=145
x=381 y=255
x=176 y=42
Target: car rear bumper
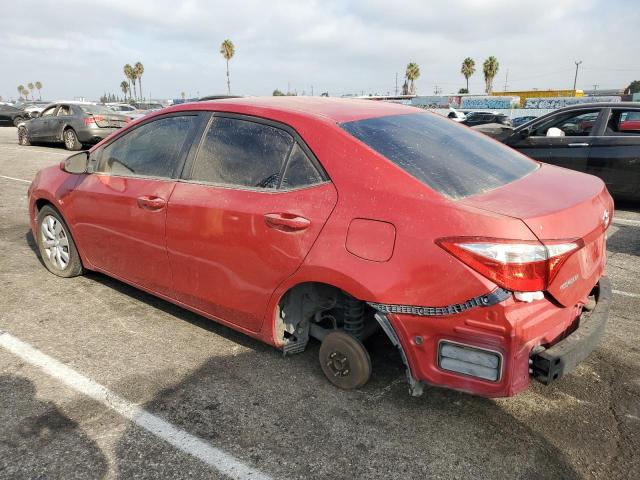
x=519 y=341
x=94 y=135
x=554 y=362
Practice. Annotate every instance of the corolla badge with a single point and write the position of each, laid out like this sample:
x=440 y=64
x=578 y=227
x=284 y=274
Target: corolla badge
x=605 y=218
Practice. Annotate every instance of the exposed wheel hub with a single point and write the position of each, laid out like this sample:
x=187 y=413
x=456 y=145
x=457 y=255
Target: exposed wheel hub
x=338 y=364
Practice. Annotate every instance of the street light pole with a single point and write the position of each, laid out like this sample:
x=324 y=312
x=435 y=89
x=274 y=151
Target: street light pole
x=575 y=79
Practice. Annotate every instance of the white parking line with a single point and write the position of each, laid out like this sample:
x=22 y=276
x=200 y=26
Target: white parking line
x=627 y=222
x=214 y=457
x=27 y=149
x=626 y=294
x=16 y=179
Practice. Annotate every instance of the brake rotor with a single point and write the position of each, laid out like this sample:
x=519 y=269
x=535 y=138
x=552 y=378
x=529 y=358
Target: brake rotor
x=344 y=360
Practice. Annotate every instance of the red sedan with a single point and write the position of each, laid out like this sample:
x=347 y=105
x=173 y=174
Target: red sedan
x=296 y=218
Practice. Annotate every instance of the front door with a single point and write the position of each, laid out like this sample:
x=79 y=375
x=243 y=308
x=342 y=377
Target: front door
x=569 y=147
x=251 y=205
x=42 y=127
x=120 y=210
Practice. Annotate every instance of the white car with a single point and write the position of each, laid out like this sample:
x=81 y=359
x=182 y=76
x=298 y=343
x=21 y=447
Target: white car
x=125 y=109
x=455 y=115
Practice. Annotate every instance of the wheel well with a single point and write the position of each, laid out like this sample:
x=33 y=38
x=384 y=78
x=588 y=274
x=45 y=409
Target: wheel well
x=313 y=309
x=41 y=202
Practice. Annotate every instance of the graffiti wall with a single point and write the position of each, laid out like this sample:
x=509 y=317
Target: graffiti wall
x=490 y=103
x=435 y=101
x=559 y=102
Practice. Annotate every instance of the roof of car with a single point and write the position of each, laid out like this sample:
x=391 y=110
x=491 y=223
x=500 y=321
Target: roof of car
x=602 y=104
x=336 y=109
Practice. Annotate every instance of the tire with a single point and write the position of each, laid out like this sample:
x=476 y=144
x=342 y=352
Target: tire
x=17 y=121
x=57 y=248
x=23 y=137
x=344 y=360
x=70 y=139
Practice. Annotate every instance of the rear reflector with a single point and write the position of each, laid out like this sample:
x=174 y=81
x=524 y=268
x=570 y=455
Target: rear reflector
x=468 y=360
x=520 y=265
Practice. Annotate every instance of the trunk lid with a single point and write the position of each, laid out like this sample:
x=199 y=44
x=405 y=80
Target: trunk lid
x=109 y=121
x=560 y=204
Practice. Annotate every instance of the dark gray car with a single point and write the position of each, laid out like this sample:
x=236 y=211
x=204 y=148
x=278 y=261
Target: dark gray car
x=72 y=124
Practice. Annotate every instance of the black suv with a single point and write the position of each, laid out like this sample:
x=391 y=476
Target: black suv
x=602 y=139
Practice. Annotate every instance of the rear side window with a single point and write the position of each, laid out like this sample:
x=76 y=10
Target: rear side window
x=151 y=150
x=242 y=153
x=451 y=159
x=624 y=122
x=300 y=171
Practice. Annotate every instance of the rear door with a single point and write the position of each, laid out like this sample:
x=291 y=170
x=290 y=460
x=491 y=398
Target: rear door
x=62 y=118
x=615 y=153
x=120 y=210
x=245 y=216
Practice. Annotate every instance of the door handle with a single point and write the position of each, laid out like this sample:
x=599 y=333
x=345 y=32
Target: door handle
x=286 y=222
x=578 y=144
x=151 y=202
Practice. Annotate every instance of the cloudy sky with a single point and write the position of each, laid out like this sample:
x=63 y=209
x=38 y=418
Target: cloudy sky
x=78 y=47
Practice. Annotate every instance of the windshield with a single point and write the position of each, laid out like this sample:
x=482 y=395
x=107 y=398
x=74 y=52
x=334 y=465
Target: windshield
x=451 y=159
x=94 y=109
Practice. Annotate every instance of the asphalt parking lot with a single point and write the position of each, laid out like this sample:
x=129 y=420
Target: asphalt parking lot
x=188 y=398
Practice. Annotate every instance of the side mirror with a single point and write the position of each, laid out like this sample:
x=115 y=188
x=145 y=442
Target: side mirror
x=525 y=133
x=76 y=164
x=555 y=132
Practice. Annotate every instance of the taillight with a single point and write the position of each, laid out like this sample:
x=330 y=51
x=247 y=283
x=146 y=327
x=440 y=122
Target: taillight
x=519 y=265
x=93 y=119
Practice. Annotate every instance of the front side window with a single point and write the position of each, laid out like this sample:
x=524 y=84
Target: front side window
x=453 y=160
x=242 y=153
x=48 y=112
x=154 y=149
x=572 y=124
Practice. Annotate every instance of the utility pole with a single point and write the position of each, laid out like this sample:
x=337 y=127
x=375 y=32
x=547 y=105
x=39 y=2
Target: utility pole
x=506 y=80
x=437 y=90
x=595 y=86
x=575 y=79
x=396 y=84
x=312 y=90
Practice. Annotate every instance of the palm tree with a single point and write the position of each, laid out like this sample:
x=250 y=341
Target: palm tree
x=39 y=87
x=468 y=69
x=31 y=87
x=138 y=68
x=131 y=77
x=124 y=86
x=227 y=49
x=21 y=90
x=183 y=95
x=490 y=69
x=412 y=74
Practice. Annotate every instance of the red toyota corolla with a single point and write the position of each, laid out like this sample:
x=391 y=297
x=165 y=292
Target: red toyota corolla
x=297 y=218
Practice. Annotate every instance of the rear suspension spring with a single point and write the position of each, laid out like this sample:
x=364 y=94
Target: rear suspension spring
x=353 y=316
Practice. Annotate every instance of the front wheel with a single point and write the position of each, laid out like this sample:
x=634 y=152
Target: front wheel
x=71 y=141
x=57 y=248
x=344 y=360
x=23 y=137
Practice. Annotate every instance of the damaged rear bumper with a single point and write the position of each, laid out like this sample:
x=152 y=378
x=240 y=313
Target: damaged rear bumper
x=496 y=350
x=554 y=362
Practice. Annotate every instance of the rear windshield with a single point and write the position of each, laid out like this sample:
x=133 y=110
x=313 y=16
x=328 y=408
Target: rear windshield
x=96 y=109
x=451 y=159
